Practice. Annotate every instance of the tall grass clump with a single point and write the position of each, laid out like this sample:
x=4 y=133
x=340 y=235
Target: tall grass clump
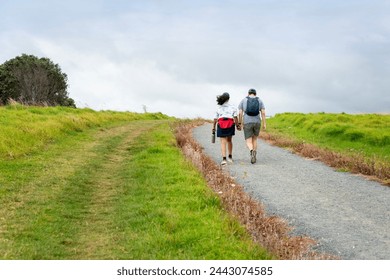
x=27 y=129
x=357 y=143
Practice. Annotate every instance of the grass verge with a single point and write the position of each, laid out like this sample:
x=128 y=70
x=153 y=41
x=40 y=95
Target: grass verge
x=354 y=143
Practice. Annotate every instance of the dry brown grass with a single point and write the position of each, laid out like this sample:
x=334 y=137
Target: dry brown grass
x=373 y=169
x=270 y=232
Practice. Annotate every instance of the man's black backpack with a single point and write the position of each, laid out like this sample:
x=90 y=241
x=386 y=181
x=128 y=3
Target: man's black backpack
x=252 y=106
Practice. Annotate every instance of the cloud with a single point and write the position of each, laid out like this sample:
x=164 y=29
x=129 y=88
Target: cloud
x=128 y=83
x=176 y=57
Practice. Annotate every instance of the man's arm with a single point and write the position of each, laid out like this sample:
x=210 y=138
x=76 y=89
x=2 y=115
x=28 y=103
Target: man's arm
x=238 y=125
x=240 y=120
x=263 y=119
x=240 y=114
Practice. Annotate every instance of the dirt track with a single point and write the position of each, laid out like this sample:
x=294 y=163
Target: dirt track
x=347 y=214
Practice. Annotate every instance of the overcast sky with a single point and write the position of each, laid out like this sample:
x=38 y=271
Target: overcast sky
x=175 y=57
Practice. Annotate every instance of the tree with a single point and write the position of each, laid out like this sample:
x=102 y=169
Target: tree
x=34 y=81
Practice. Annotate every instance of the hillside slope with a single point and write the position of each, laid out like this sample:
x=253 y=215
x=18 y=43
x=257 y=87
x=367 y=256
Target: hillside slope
x=25 y=129
x=107 y=185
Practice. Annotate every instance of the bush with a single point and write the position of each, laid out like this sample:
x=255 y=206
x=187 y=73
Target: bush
x=33 y=81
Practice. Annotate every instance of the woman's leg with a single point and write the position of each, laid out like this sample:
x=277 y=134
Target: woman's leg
x=223 y=146
x=223 y=150
x=230 y=144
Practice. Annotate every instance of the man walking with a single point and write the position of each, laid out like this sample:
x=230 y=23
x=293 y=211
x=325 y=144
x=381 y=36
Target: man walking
x=249 y=114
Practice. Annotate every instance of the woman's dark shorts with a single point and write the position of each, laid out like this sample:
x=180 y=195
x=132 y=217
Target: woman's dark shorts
x=226 y=132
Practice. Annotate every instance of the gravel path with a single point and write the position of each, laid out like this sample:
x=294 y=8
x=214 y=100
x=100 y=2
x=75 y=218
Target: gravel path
x=348 y=215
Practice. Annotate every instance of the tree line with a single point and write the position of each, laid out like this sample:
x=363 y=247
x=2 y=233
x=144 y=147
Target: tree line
x=33 y=81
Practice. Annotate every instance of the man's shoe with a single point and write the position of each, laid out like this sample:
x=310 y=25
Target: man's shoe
x=253 y=156
x=223 y=162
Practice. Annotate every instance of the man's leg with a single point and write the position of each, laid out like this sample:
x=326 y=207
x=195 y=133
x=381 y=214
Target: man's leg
x=254 y=151
x=249 y=136
x=254 y=142
x=249 y=143
x=256 y=132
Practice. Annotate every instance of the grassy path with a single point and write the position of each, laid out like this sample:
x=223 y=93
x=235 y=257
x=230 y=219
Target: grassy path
x=119 y=193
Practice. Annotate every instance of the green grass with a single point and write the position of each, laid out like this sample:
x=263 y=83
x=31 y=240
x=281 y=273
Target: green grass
x=113 y=190
x=367 y=135
x=25 y=130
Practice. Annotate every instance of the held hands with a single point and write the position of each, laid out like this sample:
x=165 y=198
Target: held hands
x=238 y=126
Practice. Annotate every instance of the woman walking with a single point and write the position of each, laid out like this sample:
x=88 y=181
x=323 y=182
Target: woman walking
x=225 y=119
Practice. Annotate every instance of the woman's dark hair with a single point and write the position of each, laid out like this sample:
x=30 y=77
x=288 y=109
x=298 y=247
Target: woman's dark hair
x=223 y=98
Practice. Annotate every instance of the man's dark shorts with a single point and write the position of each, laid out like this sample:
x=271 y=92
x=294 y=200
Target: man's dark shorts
x=251 y=129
